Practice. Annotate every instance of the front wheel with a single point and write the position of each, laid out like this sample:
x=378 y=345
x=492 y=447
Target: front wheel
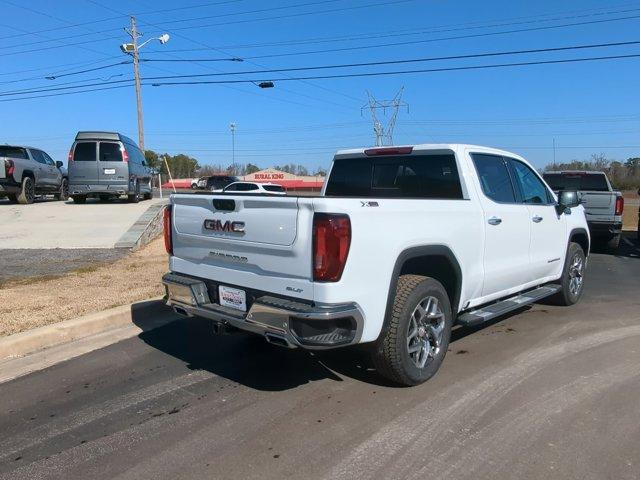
x=572 y=280
x=416 y=335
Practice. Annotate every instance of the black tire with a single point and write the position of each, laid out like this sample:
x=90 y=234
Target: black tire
x=79 y=198
x=63 y=194
x=568 y=294
x=613 y=243
x=148 y=195
x=27 y=191
x=12 y=198
x=135 y=196
x=391 y=355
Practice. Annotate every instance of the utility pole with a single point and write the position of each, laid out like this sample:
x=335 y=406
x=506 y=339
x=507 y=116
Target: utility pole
x=136 y=73
x=133 y=49
x=384 y=135
x=554 y=150
x=232 y=126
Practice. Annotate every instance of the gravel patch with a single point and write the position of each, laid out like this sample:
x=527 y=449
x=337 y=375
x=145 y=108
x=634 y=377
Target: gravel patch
x=23 y=263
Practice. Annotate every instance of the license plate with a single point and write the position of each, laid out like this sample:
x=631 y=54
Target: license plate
x=233 y=298
x=109 y=171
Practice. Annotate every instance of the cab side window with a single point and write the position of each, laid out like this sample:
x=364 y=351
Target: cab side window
x=494 y=177
x=38 y=156
x=532 y=189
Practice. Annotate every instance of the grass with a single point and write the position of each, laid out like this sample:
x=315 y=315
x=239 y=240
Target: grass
x=34 y=302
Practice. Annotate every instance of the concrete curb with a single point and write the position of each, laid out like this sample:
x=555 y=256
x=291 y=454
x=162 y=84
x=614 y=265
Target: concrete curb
x=146 y=315
x=146 y=228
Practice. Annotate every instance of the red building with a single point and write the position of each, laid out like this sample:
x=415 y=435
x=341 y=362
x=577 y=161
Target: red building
x=287 y=180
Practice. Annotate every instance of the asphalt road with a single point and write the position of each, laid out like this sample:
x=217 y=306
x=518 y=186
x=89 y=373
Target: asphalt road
x=549 y=392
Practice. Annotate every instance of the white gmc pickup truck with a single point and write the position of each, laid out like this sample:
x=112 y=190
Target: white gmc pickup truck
x=402 y=244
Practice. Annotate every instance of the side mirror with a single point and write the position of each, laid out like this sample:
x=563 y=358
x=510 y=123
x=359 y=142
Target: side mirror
x=568 y=199
x=59 y=164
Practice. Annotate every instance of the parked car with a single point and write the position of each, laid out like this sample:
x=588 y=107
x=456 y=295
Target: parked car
x=255 y=188
x=216 y=183
x=107 y=165
x=602 y=204
x=404 y=243
x=26 y=172
x=194 y=183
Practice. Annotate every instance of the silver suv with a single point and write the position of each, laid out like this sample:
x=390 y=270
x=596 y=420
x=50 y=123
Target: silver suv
x=107 y=165
x=26 y=172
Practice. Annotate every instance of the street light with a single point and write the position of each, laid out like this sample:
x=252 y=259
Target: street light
x=133 y=49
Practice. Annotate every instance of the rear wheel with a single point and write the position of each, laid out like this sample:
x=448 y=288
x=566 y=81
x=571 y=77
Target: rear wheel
x=12 y=198
x=135 y=196
x=613 y=243
x=148 y=195
x=63 y=194
x=572 y=280
x=28 y=191
x=79 y=198
x=414 y=342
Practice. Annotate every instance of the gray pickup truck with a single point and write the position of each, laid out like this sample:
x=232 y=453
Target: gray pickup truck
x=26 y=172
x=603 y=205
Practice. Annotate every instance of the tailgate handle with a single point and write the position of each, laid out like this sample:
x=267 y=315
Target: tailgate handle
x=224 y=204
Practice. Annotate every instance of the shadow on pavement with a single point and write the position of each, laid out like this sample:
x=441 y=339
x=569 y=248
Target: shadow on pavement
x=629 y=246
x=245 y=359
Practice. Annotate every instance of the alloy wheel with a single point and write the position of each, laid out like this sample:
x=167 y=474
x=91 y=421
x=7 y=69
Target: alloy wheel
x=576 y=274
x=426 y=328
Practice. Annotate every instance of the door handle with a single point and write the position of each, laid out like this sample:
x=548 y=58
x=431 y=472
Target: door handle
x=494 y=221
x=537 y=219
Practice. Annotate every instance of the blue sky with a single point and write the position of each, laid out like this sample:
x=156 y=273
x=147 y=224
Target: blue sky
x=588 y=107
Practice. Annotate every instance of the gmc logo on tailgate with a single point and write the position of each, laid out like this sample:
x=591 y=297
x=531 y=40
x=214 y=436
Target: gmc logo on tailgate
x=228 y=226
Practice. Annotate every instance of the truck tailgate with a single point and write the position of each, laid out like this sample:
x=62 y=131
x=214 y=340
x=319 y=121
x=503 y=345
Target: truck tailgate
x=258 y=242
x=599 y=206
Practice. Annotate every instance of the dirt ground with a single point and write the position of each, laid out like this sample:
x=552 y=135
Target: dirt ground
x=35 y=302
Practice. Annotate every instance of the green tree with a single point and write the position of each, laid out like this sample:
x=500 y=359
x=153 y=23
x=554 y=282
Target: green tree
x=251 y=168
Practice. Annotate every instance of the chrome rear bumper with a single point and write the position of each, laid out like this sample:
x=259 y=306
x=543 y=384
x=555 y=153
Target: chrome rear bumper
x=281 y=321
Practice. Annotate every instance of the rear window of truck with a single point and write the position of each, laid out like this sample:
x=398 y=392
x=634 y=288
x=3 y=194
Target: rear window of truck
x=415 y=176
x=13 y=152
x=594 y=182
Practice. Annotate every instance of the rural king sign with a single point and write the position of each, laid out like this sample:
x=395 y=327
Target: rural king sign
x=268 y=176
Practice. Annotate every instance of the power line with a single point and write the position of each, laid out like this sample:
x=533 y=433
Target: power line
x=414 y=60
x=408 y=72
x=416 y=31
x=368 y=64
x=433 y=40
x=63 y=93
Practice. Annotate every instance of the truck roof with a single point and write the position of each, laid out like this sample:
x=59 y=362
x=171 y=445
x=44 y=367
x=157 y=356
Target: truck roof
x=575 y=172
x=357 y=152
x=99 y=135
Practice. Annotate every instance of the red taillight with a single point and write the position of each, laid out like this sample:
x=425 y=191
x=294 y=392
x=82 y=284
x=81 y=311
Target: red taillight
x=166 y=228
x=619 y=205
x=331 y=239
x=9 y=167
x=125 y=156
x=375 y=152
x=70 y=158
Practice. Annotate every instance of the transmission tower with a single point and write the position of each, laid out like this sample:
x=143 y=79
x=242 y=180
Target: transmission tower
x=384 y=135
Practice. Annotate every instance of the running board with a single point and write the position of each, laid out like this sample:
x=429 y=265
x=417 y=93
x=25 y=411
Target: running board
x=493 y=310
